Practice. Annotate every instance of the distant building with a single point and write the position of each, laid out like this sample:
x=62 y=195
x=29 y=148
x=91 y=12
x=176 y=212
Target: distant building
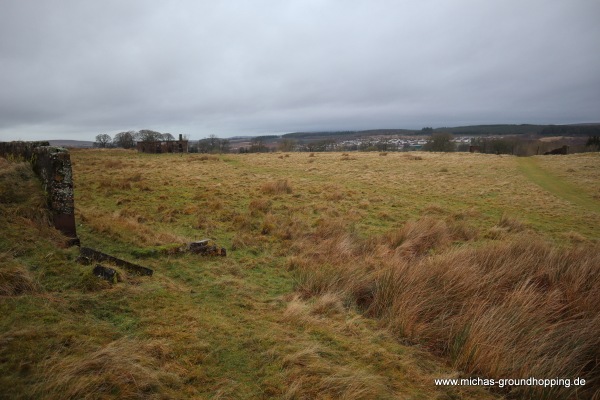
x=163 y=146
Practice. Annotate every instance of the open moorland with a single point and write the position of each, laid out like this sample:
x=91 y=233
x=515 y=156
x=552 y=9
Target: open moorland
x=347 y=275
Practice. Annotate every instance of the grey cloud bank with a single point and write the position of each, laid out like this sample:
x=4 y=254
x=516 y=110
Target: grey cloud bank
x=73 y=69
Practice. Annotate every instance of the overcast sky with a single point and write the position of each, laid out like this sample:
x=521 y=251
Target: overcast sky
x=74 y=69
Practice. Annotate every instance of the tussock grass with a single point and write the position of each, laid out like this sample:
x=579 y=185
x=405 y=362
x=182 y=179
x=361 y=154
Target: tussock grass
x=128 y=229
x=123 y=368
x=435 y=209
x=260 y=205
x=284 y=228
x=511 y=224
x=15 y=278
x=521 y=307
x=416 y=238
x=334 y=193
x=208 y=157
x=281 y=186
x=328 y=304
x=344 y=383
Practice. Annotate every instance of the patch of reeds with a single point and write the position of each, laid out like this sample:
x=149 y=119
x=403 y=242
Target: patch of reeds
x=520 y=307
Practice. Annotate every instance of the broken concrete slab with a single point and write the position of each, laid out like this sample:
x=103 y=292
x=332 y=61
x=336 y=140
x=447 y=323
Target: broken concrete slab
x=106 y=273
x=87 y=255
x=206 y=247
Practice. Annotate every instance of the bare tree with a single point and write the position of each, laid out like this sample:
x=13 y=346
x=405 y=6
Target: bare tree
x=148 y=135
x=125 y=140
x=103 y=140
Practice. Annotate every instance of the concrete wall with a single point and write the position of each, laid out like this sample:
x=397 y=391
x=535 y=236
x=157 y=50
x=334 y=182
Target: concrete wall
x=20 y=151
x=53 y=166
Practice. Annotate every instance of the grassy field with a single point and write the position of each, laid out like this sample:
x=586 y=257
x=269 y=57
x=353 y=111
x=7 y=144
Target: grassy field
x=356 y=276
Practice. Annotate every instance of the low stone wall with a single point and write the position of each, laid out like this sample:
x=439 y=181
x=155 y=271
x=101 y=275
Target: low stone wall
x=53 y=166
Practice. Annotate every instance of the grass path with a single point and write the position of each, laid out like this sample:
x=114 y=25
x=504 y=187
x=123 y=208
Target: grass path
x=555 y=185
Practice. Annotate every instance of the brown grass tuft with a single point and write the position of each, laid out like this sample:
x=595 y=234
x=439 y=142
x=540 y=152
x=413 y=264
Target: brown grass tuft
x=511 y=224
x=328 y=304
x=281 y=186
x=434 y=209
x=516 y=308
x=333 y=194
x=122 y=368
x=15 y=279
x=128 y=229
x=416 y=238
x=113 y=164
x=260 y=205
x=207 y=157
x=296 y=311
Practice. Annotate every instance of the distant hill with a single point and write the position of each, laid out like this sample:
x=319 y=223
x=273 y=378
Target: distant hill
x=347 y=134
x=500 y=129
x=587 y=129
x=72 y=143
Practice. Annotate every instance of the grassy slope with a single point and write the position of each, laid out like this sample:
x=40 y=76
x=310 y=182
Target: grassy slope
x=232 y=328
x=563 y=187
x=199 y=328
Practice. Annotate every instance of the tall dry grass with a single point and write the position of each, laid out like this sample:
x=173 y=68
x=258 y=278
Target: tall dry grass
x=281 y=186
x=521 y=307
x=124 y=369
x=15 y=278
x=129 y=228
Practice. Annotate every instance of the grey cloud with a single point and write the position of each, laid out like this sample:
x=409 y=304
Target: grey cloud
x=73 y=68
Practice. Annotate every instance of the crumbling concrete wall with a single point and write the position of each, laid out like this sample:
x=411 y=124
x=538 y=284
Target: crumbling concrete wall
x=53 y=166
x=561 y=150
x=19 y=150
x=87 y=255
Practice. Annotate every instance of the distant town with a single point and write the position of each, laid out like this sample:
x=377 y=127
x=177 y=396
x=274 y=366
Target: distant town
x=496 y=139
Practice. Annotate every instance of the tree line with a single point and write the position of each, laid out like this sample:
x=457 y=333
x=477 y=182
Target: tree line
x=128 y=139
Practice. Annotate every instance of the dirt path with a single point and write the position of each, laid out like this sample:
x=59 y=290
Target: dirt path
x=555 y=185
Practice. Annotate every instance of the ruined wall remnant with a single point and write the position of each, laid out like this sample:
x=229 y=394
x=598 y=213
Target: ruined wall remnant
x=106 y=273
x=157 y=147
x=19 y=150
x=206 y=247
x=87 y=256
x=561 y=150
x=53 y=166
